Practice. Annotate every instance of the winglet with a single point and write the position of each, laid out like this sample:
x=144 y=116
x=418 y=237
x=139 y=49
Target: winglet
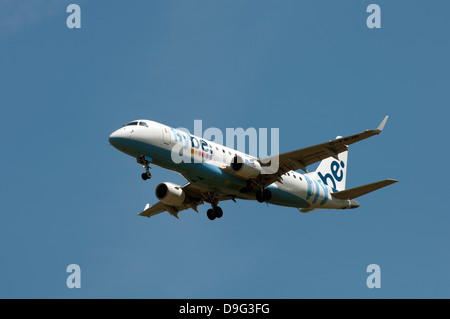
x=147 y=206
x=383 y=123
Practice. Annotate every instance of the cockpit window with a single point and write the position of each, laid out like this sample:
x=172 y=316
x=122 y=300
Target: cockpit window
x=143 y=124
x=132 y=123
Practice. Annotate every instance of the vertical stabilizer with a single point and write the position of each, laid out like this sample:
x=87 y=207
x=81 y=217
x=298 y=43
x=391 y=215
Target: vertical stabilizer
x=332 y=171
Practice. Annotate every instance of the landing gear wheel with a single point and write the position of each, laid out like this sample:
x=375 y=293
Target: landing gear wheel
x=141 y=160
x=210 y=214
x=215 y=212
x=267 y=194
x=218 y=212
x=146 y=176
x=263 y=195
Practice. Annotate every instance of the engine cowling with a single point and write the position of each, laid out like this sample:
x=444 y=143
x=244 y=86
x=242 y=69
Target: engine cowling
x=171 y=194
x=245 y=168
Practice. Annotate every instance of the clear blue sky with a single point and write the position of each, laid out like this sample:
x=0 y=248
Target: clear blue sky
x=310 y=68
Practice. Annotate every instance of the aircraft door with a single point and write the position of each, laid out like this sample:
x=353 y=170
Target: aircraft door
x=166 y=135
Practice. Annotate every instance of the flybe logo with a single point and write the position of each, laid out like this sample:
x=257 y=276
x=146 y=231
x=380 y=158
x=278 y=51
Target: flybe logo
x=199 y=147
x=316 y=190
x=336 y=175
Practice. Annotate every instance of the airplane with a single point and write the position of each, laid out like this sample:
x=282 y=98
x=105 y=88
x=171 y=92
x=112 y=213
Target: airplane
x=216 y=173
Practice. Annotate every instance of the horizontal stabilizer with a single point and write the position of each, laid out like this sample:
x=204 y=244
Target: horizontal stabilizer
x=362 y=190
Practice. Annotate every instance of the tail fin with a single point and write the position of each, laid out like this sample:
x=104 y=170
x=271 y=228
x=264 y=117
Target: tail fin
x=333 y=171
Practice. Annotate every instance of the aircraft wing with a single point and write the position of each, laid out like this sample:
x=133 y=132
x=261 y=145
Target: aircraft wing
x=304 y=157
x=154 y=210
x=195 y=197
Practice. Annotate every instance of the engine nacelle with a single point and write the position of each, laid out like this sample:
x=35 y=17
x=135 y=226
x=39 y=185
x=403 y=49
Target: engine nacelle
x=245 y=168
x=171 y=194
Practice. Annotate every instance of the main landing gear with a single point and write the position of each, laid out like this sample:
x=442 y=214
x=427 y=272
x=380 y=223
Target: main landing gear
x=214 y=212
x=147 y=174
x=263 y=195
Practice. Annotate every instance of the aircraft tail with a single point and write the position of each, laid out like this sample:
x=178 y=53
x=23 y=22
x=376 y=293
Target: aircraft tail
x=333 y=171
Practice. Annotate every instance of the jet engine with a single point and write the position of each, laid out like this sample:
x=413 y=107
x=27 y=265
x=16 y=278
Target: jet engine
x=171 y=194
x=245 y=168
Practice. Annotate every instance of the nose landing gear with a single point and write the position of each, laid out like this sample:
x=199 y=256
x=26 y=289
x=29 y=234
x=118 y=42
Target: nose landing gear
x=147 y=174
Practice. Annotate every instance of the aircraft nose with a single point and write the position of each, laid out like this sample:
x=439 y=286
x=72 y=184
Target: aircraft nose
x=113 y=136
x=117 y=138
